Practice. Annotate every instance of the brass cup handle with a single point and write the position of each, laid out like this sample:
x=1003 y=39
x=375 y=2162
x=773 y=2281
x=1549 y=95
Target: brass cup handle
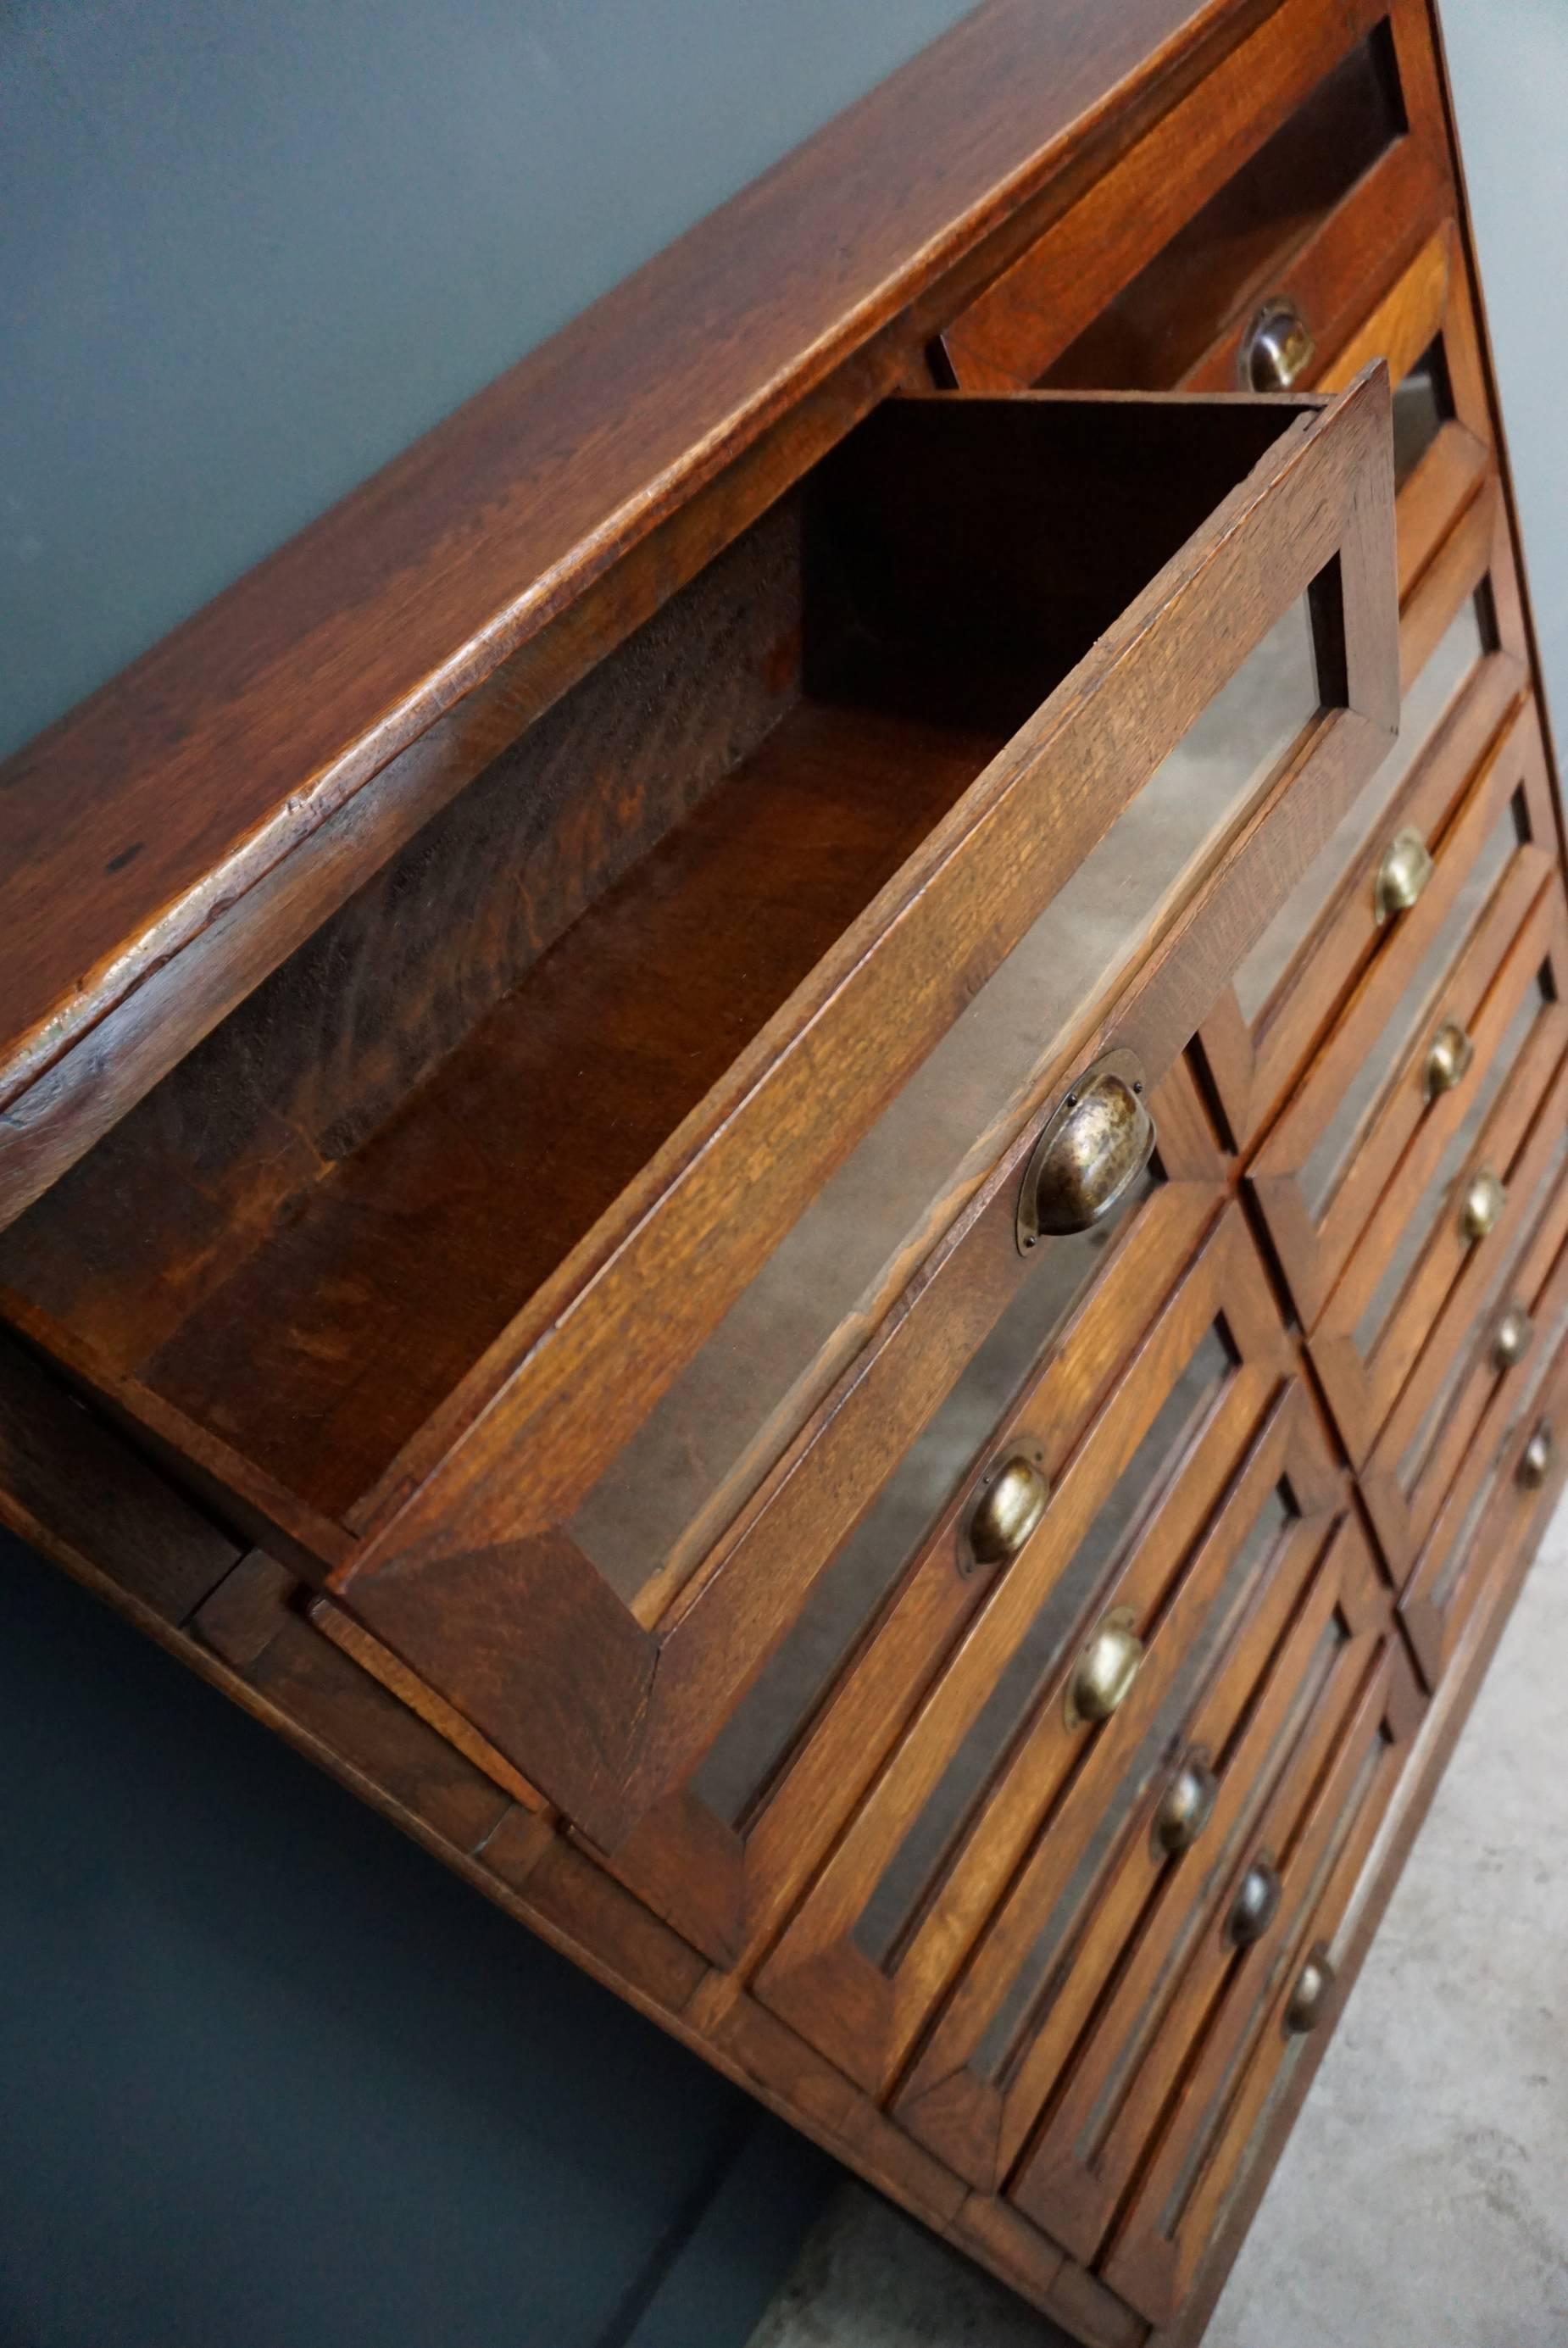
x=1482 y=1205
x=1256 y=1903
x=1448 y=1059
x=1277 y=349
x=1103 y=1677
x=1512 y=1342
x=1092 y=1150
x=1406 y=867
x=1008 y=1510
x=1309 y=1998
x=1187 y=1805
x=1535 y=1459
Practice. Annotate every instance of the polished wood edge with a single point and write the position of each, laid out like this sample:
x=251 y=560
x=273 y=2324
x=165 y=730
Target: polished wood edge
x=420 y=585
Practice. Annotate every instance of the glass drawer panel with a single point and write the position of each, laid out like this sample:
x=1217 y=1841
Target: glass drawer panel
x=1133 y=1501
x=1463 y=647
x=1418 y=1005
x=1423 y=404
x=1162 y=323
x=707 y=1444
x=1019 y=2009
x=1408 y=1248
x=742 y=1760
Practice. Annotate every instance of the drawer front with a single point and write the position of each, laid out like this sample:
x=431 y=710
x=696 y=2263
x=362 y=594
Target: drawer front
x=1494 y=1412
x=1128 y=2045
x=1319 y=949
x=1243 y=2008
x=1115 y=1848
x=1010 y=1727
x=1480 y=1342
x=612 y=1534
x=1381 y=1099
x=1315 y=150
x=1459 y=1192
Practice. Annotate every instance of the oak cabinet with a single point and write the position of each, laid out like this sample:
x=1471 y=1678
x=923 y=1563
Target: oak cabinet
x=829 y=1216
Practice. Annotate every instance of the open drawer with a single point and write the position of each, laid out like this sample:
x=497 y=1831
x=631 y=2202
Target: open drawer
x=529 y=1256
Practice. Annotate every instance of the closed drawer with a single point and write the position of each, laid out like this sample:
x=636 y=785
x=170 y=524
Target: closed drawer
x=1412 y=1052
x=1326 y=1665
x=1314 y=152
x=1319 y=948
x=566 y=1357
x=1458 y=1197
x=1487 y=1404
x=1247 y=2003
x=1003 y=1745
x=1136 y=1845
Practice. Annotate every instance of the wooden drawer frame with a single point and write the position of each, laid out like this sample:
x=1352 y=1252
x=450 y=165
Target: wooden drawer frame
x=862 y=2016
x=1403 y=1516
x=1362 y=1390
x=978 y=2123
x=1508 y=1412
x=1402 y=1127
x=1251 y=1064
x=1013 y=333
x=473 y=1581
x=1326 y=1814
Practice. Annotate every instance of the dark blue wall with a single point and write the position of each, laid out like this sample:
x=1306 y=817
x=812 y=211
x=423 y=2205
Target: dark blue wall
x=249 y=249
x=270 y=2078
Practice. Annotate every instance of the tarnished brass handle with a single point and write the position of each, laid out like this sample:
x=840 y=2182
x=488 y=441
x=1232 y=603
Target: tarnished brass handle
x=1009 y=1510
x=1255 y=1905
x=1448 y=1059
x=1535 y=1459
x=1092 y=1150
x=1105 y=1670
x=1404 y=872
x=1314 y=1988
x=1277 y=350
x=1186 y=1806
x=1511 y=1343
x=1482 y=1203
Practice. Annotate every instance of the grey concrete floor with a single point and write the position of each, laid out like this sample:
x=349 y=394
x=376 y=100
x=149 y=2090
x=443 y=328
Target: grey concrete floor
x=1423 y=2199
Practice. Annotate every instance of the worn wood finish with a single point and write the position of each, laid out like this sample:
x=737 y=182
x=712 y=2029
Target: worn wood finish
x=692 y=712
